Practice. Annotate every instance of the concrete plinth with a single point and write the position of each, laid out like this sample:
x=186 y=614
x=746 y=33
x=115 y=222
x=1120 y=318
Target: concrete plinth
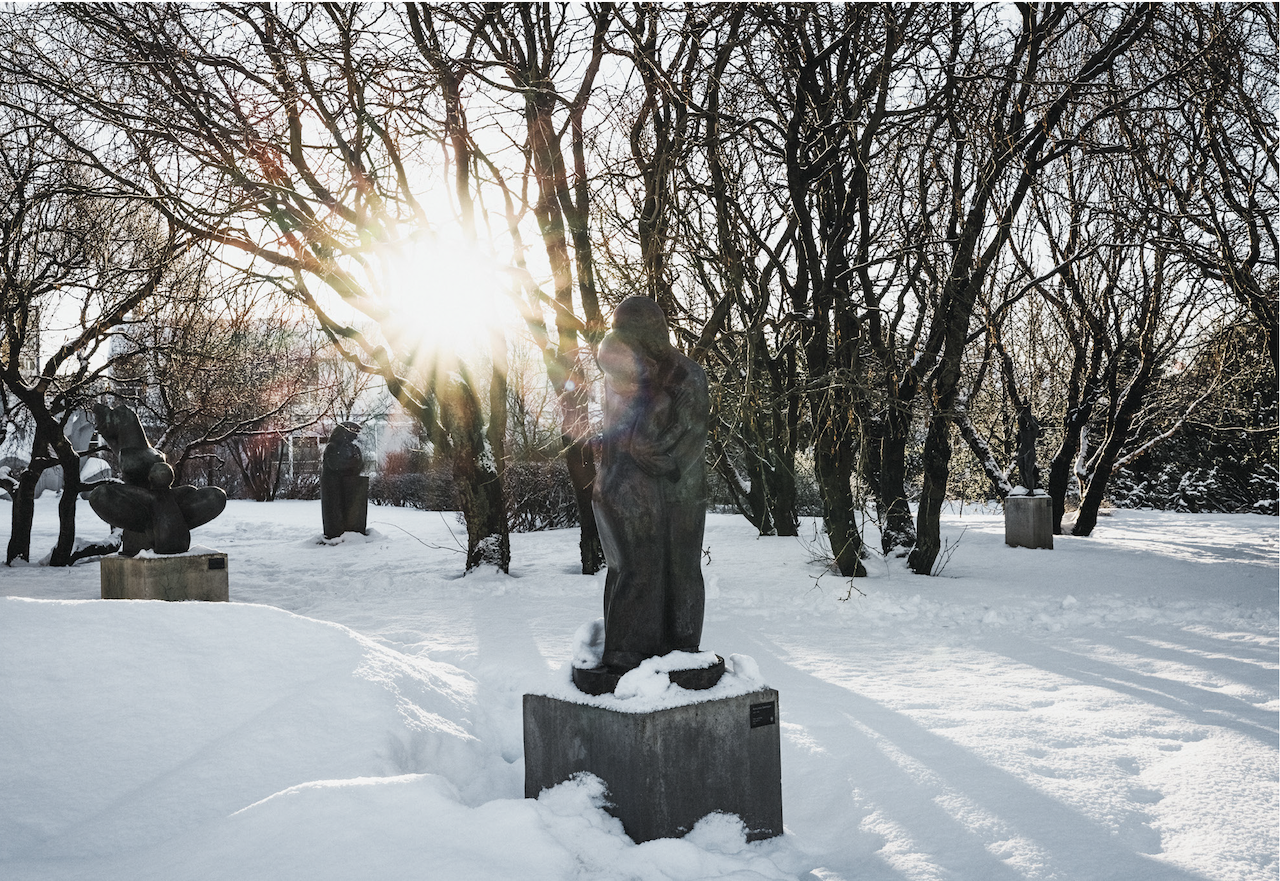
x=667 y=769
x=1028 y=522
x=177 y=577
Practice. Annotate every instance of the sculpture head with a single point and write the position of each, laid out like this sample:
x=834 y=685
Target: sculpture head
x=344 y=433
x=119 y=426
x=640 y=322
x=1028 y=425
x=623 y=366
x=122 y=431
x=160 y=477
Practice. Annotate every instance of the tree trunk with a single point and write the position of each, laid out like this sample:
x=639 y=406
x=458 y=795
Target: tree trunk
x=1093 y=495
x=564 y=368
x=1057 y=485
x=771 y=469
x=937 y=465
x=761 y=512
x=575 y=432
x=24 y=500
x=64 y=550
x=782 y=499
x=476 y=479
x=954 y=314
x=1061 y=465
x=1090 y=503
x=896 y=527
x=483 y=508
x=582 y=471
x=24 y=510
x=833 y=467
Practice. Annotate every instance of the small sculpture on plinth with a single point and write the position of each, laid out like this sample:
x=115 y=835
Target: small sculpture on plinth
x=152 y=513
x=1029 y=431
x=1028 y=515
x=344 y=494
x=649 y=500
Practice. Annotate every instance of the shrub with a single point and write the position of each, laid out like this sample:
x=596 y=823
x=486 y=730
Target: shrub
x=302 y=486
x=539 y=496
x=1173 y=487
x=431 y=490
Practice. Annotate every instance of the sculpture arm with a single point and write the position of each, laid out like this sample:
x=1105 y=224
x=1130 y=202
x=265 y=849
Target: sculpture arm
x=658 y=444
x=199 y=505
x=123 y=506
x=653 y=455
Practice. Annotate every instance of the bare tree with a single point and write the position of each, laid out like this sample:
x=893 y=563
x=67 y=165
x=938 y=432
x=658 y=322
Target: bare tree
x=227 y=366
x=277 y=133
x=76 y=259
x=1050 y=62
x=1208 y=139
x=544 y=61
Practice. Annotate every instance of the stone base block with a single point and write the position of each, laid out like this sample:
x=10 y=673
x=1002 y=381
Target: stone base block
x=177 y=577
x=1028 y=522
x=665 y=770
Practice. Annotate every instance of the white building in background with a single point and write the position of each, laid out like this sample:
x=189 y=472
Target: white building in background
x=385 y=427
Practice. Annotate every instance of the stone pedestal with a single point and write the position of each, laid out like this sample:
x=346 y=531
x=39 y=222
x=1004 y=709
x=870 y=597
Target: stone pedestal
x=177 y=577
x=1028 y=522
x=667 y=769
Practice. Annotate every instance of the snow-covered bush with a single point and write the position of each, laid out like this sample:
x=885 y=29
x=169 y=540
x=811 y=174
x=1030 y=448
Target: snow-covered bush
x=1173 y=487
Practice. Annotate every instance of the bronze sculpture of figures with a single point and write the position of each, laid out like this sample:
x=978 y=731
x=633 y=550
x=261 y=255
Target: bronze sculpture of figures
x=1028 y=431
x=153 y=514
x=344 y=494
x=649 y=494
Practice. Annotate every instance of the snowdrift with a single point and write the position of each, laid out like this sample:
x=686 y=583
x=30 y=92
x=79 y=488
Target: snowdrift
x=1106 y=710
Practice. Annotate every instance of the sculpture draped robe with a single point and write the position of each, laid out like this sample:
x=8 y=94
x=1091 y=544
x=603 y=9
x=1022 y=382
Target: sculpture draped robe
x=649 y=497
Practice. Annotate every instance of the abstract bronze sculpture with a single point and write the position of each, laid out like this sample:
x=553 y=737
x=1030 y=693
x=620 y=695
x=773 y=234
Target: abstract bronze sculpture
x=343 y=493
x=153 y=514
x=649 y=497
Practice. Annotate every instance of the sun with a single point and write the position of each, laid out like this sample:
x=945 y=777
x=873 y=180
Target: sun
x=446 y=296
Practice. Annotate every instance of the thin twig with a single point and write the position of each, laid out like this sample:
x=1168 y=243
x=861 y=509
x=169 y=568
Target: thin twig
x=456 y=550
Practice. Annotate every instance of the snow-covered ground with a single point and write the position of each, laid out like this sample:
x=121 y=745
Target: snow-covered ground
x=1105 y=710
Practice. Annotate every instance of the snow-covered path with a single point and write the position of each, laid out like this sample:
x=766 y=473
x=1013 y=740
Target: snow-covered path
x=1108 y=709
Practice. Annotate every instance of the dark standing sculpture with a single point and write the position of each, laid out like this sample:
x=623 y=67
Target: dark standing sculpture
x=152 y=512
x=649 y=497
x=1028 y=432
x=344 y=494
